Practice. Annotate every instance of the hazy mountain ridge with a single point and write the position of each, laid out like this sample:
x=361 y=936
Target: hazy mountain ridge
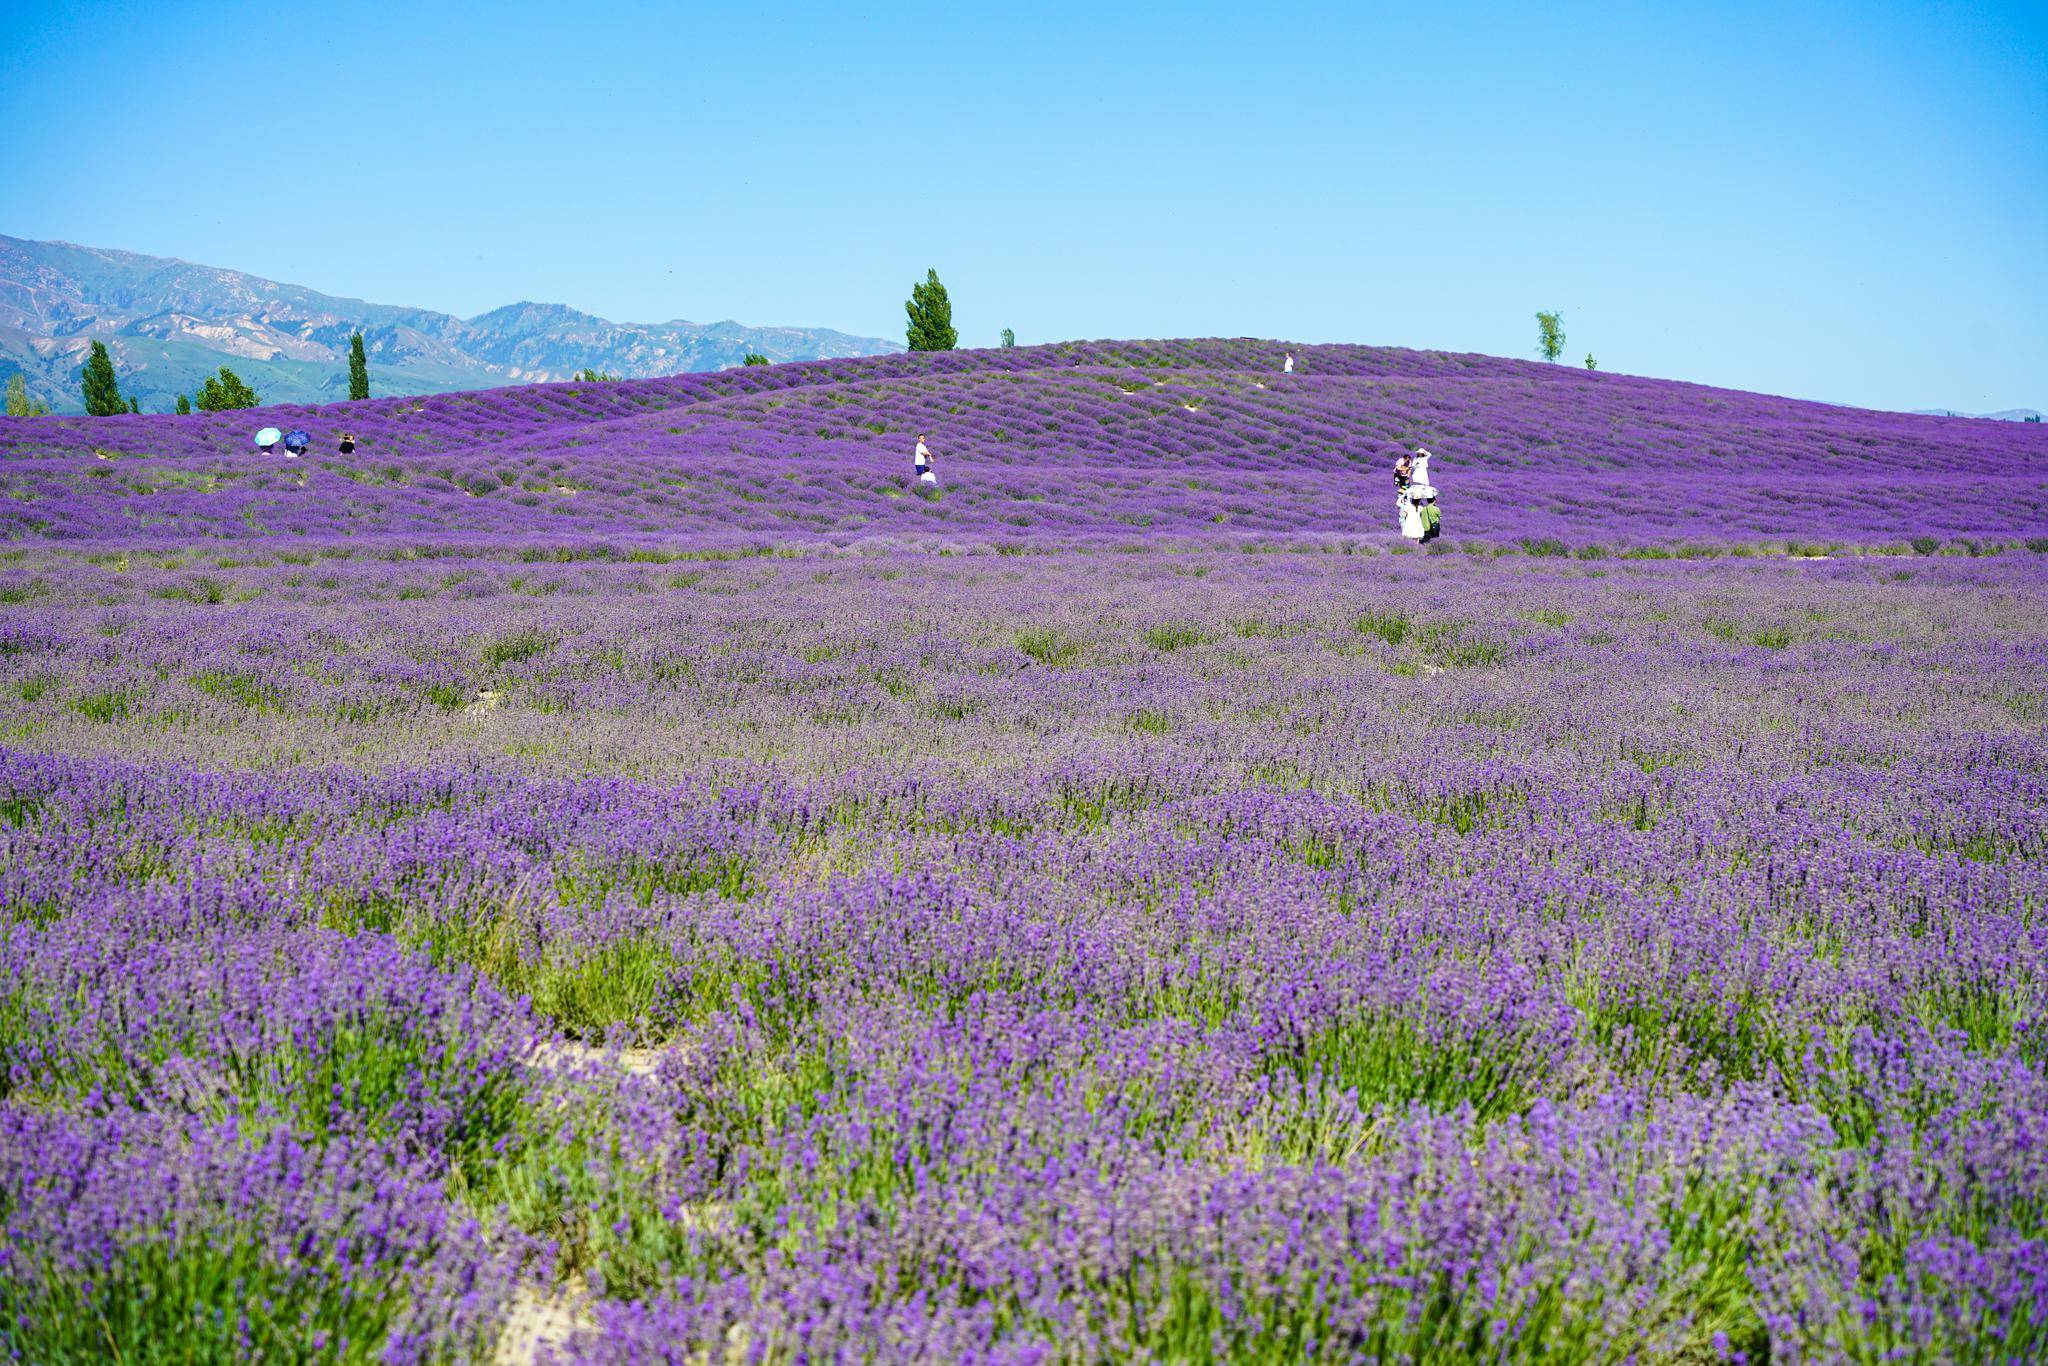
x=170 y=322
x=2003 y=415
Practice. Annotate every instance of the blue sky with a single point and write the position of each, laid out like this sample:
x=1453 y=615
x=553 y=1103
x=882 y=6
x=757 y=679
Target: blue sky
x=1837 y=202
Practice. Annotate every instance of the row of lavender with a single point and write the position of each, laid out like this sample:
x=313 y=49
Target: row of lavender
x=1188 y=957
x=1078 y=443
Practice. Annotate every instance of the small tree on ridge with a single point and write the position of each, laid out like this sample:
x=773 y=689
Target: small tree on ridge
x=225 y=391
x=931 y=316
x=754 y=358
x=1549 y=334
x=358 y=369
x=1591 y=364
x=1009 y=338
x=19 y=404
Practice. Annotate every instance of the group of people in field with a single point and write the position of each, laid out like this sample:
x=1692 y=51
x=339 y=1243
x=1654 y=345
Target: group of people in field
x=1415 y=498
x=296 y=443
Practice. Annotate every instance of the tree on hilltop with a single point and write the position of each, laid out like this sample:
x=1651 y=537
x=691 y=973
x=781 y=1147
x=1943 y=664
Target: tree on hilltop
x=1591 y=364
x=1009 y=338
x=358 y=369
x=102 y=389
x=1549 y=334
x=931 y=316
x=223 y=392
x=19 y=404
x=590 y=374
x=184 y=406
x=754 y=358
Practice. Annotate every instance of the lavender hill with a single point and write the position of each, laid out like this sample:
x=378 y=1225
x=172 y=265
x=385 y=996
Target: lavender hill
x=1048 y=445
x=613 y=873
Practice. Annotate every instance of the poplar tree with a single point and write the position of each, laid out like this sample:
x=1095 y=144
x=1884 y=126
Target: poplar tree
x=931 y=316
x=358 y=368
x=1009 y=338
x=102 y=389
x=1550 y=334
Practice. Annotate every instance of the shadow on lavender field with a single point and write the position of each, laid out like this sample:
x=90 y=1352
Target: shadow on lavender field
x=1130 y=948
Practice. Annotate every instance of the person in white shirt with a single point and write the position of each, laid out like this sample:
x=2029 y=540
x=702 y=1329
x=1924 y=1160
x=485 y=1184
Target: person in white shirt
x=922 y=462
x=1287 y=367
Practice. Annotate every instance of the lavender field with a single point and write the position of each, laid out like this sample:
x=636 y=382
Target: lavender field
x=610 y=873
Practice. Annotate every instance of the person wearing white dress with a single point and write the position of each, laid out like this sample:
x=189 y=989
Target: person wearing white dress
x=1411 y=516
x=922 y=462
x=1287 y=366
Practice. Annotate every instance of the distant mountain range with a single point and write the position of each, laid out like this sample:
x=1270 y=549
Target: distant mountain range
x=170 y=323
x=2007 y=415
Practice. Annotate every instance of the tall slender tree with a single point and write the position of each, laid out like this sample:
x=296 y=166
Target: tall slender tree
x=184 y=405
x=358 y=368
x=931 y=316
x=1550 y=334
x=1009 y=338
x=102 y=389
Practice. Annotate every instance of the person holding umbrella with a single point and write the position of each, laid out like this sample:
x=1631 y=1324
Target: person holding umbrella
x=296 y=442
x=268 y=439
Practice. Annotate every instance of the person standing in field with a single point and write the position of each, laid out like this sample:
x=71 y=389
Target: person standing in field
x=1406 y=515
x=1287 y=366
x=922 y=462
